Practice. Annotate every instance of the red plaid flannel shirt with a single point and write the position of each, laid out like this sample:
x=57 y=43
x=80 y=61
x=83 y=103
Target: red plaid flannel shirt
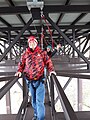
x=33 y=63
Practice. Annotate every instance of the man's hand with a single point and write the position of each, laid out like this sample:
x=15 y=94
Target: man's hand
x=52 y=72
x=18 y=74
x=58 y=47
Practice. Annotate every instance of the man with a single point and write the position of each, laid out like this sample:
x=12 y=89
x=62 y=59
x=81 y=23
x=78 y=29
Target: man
x=52 y=53
x=32 y=63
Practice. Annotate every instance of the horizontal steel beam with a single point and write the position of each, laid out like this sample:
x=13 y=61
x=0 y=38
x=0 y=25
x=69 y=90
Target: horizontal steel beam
x=66 y=8
x=39 y=27
x=14 y=10
x=7 y=73
x=73 y=75
x=7 y=78
x=75 y=71
x=46 y=36
x=47 y=9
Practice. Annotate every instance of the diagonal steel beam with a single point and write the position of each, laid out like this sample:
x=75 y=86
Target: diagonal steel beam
x=11 y=4
x=77 y=19
x=65 y=86
x=18 y=15
x=16 y=39
x=88 y=23
x=88 y=37
x=61 y=14
x=79 y=44
x=68 y=40
x=9 y=25
x=86 y=50
x=5 y=22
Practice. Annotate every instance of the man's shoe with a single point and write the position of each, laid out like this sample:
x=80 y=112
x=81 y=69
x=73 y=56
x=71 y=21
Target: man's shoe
x=34 y=118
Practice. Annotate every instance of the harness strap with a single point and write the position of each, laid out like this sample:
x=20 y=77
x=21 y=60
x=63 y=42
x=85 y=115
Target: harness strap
x=40 y=80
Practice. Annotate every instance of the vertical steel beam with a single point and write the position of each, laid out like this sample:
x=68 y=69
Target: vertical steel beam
x=79 y=95
x=73 y=32
x=79 y=46
x=52 y=96
x=9 y=39
x=64 y=47
x=8 y=102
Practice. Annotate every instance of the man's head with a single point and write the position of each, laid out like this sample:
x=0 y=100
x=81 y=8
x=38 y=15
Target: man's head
x=49 y=48
x=32 y=42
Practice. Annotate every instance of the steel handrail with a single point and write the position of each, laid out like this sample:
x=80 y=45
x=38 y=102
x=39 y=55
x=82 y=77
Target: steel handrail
x=67 y=108
x=7 y=86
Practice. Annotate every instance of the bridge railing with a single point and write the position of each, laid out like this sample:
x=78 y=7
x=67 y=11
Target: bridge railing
x=67 y=108
x=8 y=86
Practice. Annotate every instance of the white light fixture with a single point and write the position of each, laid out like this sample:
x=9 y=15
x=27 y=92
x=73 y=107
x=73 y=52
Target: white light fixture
x=35 y=4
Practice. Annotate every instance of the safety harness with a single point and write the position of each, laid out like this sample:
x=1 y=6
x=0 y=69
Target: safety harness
x=41 y=79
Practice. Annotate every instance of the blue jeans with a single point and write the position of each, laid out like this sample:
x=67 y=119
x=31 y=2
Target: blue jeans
x=37 y=90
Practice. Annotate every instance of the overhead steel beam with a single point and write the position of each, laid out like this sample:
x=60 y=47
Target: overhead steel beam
x=5 y=22
x=16 y=39
x=26 y=35
x=77 y=19
x=67 y=2
x=18 y=15
x=14 y=10
x=66 y=9
x=68 y=40
x=38 y=27
x=61 y=14
x=10 y=3
x=47 y=9
x=88 y=23
x=9 y=25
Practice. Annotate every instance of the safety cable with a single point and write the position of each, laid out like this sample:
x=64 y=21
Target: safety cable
x=42 y=31
x=43 y=17
x=42 y=37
